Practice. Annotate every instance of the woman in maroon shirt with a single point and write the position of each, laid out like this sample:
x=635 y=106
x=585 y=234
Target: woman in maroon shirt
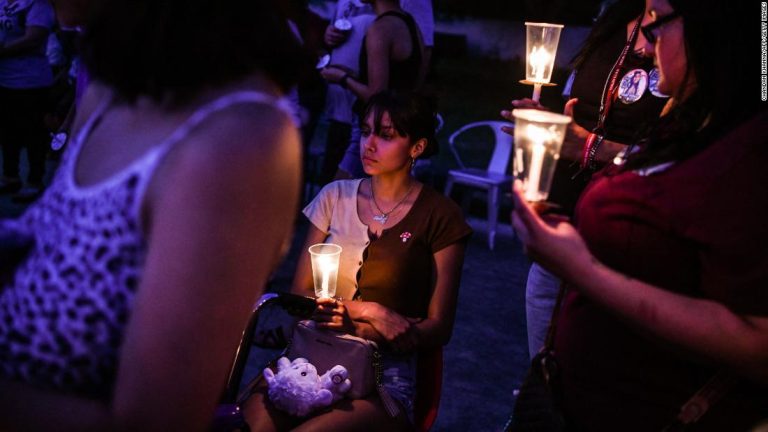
x=667 y=267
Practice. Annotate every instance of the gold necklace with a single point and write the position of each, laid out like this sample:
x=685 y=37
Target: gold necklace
x=383 y=216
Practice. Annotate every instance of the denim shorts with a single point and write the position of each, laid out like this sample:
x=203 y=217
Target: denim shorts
x=399 y=379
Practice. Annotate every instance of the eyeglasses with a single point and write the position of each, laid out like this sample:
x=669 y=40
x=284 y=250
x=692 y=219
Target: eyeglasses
x=651 y=30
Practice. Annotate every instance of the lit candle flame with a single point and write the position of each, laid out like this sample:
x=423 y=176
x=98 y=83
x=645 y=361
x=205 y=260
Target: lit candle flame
x=326 y=267
x=538 y=136
x=539 y=59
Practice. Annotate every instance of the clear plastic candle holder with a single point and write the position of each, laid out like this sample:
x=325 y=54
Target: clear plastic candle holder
x=325 y=268
x=540 y=50
x=539 y=137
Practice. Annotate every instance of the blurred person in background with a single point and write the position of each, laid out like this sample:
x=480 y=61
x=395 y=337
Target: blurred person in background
x=25 y=83
x=393 y=55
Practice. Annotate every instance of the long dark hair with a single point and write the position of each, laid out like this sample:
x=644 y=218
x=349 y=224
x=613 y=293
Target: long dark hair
x=611 y=20
x=169 y=50
x=413 y=116
x=725 y=81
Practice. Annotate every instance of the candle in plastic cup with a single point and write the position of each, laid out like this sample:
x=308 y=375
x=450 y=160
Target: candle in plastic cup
x=540 y=49
x=538 y=138
x=325 y=268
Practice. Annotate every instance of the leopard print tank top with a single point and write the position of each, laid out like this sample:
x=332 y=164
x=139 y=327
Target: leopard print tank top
x=64 y=310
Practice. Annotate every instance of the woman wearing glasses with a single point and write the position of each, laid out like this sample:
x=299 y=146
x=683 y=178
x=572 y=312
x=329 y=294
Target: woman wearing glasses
x=614 y=63
x=666 y=268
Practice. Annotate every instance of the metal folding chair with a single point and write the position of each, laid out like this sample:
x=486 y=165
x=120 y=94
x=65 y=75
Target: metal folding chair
x=491 y=177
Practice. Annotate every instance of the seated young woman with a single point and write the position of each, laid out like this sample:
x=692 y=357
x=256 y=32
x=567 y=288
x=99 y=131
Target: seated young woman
x=402 y=253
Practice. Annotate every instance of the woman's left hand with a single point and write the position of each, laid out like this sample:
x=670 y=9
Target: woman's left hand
x=549 y=240
x=332 y=314
x=401 y=334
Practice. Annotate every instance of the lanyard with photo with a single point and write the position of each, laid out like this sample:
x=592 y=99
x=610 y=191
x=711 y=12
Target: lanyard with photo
x=595 y=138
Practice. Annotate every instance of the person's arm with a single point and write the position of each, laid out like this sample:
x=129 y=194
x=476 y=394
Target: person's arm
x=214 y=235
x=378 y=48
x=437 y=328
x=237 y=192
x=34 y=37
x=333 y=37
x=378 y=45
x=702 y=326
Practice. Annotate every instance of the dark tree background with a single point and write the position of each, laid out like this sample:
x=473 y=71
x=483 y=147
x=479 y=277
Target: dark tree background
x=572 y=12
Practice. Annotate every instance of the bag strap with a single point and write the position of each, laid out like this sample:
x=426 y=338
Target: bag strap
x=386 y=399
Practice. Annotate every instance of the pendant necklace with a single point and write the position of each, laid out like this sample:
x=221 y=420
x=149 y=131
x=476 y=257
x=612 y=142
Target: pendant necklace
x=383 y=216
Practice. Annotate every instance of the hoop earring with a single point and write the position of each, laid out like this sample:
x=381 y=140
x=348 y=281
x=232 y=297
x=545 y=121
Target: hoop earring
x=413 y=163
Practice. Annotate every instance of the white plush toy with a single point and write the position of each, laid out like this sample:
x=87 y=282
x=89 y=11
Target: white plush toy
x=298 y=390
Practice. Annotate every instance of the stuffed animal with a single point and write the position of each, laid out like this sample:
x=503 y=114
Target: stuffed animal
x=298 y=390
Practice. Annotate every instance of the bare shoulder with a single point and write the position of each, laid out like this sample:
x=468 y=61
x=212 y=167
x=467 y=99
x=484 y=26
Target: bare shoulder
x=238 y=152
x=390 y=21
x=244 y=134
x=387 y=27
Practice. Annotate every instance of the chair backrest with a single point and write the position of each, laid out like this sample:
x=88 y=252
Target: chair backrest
x=502 y=146
x=440 y=122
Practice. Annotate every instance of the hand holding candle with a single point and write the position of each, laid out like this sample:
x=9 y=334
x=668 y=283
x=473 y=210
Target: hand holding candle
x=325 y=268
